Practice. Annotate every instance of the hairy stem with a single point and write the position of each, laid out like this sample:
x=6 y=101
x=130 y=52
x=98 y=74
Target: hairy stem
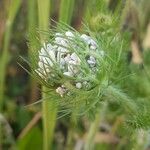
x=92 y=131
x=49 y=109
x=95 y=126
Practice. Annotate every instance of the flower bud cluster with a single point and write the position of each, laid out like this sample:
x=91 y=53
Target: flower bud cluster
x=58 y=52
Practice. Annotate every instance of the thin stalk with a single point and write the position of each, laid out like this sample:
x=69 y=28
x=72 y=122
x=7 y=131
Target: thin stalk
x=94 y=127
x=92 y=131
x=32 y=26
x=4 y=60
x=49 y=108
x=14 y=7
x=66 y=11
x=70 y=133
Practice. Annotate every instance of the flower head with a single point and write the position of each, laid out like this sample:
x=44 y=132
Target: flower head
x=74 y=56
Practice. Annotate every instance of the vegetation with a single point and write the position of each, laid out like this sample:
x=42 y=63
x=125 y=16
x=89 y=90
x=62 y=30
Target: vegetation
x=74 y=75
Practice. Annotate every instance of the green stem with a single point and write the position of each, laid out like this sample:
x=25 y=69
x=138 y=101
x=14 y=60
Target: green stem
x=70 y=133
x=32 y=26
x=4 y=60
x=49 y=107
x=14 y=7
x=94 y=126
x=66 y=11
x=92 y=131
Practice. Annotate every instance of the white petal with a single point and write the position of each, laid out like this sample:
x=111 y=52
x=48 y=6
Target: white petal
x=44 y=45
x=74 y=56
x=92 y=42
x=43 y=51
x=92 y=58
x=47 y=70
x=91 y=63
x=93 y=47
x=70 y=34
x=47 y=62
x=58 y=34
x=60 y=91
x=72 y=62
x=40 y=65
x=62 y=62
x=49 y=47
x=62 y=49
x=67 y=58
x=85 y=37
x=58 y=40
x=68 y=74
x=64 y=43
x=51 y=55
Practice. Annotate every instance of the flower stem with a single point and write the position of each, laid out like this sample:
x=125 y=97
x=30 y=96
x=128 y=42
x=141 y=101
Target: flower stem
x=13 y=9
x=70 y=133
x=66 y=11
x=92 y=131
x=95 y=126
x=49 y=108
x=49 y=111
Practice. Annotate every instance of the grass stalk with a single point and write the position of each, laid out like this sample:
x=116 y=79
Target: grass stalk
x=94 y=127
x=92 y=131
x=66 y=11
x=14 y=7
x=32 y=26
x=69 y=141
x=49 y=109
x=49 y=120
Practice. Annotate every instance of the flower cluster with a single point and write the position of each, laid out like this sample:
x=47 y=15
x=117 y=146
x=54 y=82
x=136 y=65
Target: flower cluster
x=63 y=52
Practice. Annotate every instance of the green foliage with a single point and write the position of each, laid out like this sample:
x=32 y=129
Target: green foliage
x=66 y=11
x=118 y=95
x=24 y=143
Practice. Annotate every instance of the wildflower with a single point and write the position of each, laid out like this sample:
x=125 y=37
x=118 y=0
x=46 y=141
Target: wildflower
x=63 y=52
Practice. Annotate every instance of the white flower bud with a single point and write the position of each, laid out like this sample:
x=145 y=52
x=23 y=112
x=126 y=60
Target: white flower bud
x=91 y=62
x=93 y=47
x=92 y=58
x=92 y=42
x=69 y=34
x=78 y=85
x=67 y=58
x=40 y=64
x=49 y=47
x=85 y=38
x=61 y=91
